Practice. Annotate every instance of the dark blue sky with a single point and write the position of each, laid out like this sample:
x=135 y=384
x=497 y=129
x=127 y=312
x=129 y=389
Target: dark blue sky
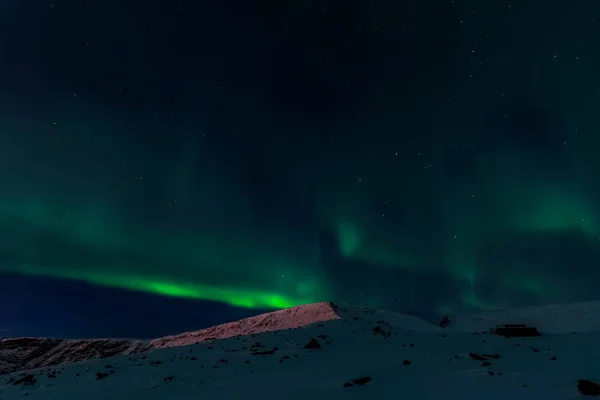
x=166 y=166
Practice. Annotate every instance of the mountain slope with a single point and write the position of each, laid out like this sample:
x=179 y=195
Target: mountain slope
x=551 y=319
x=289 y=318
x=27 y=353
x=353 y=353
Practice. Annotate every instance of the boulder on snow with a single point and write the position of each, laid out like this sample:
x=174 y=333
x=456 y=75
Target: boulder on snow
x=588 y=387
x=445 y=322
x=312 y=344
x=515 y=330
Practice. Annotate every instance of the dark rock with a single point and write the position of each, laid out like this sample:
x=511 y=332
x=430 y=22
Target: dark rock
x=378 y=330
x=515 y=330
x=21 y=354
x=264 y=352
x=406 y=362
x=100 y=375
x=168 y=378
x=477 y=357
x=347 y=384
x=362 y=381
x=27 y=380
x=588 y=387
x=494 y=356
x=255 y=347
x=312 y=344
x=445 y=322
x=553 y=358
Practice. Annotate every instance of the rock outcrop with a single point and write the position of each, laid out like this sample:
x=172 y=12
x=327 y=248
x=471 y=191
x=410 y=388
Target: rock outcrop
x=27 y=353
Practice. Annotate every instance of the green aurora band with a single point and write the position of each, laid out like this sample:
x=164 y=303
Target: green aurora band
x=102 y=208
x=92 y=241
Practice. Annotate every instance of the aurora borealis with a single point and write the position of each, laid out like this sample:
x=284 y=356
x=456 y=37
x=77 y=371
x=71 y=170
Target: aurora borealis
x=432 y=159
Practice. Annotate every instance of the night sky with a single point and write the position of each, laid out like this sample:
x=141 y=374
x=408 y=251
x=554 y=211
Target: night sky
x=168 y=165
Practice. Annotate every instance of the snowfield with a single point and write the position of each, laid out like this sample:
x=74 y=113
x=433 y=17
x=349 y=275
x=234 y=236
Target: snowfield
x=324 y=351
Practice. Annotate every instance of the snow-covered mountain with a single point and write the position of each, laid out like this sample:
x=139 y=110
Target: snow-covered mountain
x=20 y=354
x=328 y=351
x=552 y=319
x=28 y=353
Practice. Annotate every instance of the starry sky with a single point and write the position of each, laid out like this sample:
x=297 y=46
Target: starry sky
x=170 y=165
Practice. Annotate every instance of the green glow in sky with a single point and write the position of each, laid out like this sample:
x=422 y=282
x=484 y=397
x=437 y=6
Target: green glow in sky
x=234 y=296
x=191 y=228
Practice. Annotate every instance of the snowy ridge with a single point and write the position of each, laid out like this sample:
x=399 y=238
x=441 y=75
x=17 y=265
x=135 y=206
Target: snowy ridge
x=552 y=319
x=28 y=353
x=293 y=318
x=289 y=318
x=343 y=352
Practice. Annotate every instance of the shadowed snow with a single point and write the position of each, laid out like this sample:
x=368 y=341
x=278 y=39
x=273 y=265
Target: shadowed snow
x=328 y=351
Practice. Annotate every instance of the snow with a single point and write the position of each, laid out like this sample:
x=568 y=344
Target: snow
x=290 y=318
x=404 y=357
x=20 y=354
x=27 y=353
x=552 y=319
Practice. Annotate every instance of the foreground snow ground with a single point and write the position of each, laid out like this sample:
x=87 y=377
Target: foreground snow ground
x=353 y=353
